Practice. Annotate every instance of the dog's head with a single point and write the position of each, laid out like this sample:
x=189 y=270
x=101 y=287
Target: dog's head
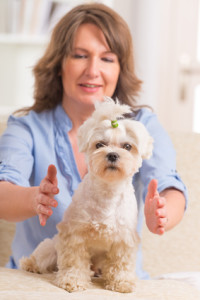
x=114 y=146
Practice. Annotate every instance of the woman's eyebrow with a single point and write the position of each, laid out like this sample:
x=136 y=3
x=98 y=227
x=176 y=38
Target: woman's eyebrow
x=86 y=50
x=79 y=48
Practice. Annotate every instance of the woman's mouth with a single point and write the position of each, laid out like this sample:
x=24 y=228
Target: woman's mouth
x=90 y=87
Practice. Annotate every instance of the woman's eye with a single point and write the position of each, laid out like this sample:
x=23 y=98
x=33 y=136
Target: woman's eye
x=79 y=56
x=127 y=147
x=99 y=145
x=108 y=59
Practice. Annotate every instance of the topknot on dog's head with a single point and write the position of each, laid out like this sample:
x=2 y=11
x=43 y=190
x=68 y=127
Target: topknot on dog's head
x=107 y=110
x=110 y=110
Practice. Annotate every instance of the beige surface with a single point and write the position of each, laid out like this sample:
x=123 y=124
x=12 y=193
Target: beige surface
x=15 y=284
x=177 y=250
x=7 y=230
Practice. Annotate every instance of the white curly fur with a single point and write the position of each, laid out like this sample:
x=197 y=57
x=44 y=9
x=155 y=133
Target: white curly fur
x=99 y=226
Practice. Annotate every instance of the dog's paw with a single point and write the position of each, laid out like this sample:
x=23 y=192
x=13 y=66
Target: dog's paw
x=70 y=282
x=29 y=264
x=120 y=286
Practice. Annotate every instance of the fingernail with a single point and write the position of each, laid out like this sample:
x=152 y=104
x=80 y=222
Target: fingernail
x=50 y=212
x=54 y=203
x=55 y=190
x=42 y=223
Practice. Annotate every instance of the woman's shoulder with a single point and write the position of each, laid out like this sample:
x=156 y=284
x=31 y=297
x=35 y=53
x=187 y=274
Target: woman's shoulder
x=32 y=121
x=145 y=115
x=31 y=117
x=152 y=123
x=44 y=120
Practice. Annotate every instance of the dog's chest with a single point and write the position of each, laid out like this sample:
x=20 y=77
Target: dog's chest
x=112 y=216
x=99 y=236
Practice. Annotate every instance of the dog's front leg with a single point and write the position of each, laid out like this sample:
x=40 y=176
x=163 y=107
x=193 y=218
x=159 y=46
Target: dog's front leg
x=43 y=259
x=119 y=268
x=73 y=260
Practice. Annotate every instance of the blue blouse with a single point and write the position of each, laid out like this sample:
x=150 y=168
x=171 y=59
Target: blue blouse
x=32 y=142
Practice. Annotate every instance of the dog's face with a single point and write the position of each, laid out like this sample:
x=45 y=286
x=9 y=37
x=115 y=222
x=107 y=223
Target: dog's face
x=114 y=154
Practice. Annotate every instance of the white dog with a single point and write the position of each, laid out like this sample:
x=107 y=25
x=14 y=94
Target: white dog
x=99 y=226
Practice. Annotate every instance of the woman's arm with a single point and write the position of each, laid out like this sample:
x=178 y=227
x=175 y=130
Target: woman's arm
x=165 y=210
x=19 y=203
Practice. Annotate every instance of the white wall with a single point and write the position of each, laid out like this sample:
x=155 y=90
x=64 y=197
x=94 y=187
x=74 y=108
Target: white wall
x=164 y=30
x=16 y=80
x=148 y=21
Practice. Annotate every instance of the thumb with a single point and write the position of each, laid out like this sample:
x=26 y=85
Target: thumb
x=51 y=174
x=152 y=189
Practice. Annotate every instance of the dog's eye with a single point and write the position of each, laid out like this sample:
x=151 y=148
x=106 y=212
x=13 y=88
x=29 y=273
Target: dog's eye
x=127 y=147
x=99 y=145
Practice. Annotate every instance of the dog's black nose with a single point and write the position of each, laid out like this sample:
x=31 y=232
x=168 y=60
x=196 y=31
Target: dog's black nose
x=112 y=156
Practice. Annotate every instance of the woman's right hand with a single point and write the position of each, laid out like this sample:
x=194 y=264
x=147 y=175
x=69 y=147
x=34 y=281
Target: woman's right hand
x=44 y=198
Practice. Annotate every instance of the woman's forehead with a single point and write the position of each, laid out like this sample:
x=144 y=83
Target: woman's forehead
x=87 y=31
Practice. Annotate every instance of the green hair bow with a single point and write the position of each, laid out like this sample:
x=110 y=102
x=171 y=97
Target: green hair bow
x=114 y=123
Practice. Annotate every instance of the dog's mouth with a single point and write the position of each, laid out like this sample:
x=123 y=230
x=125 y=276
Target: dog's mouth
x=112 y=168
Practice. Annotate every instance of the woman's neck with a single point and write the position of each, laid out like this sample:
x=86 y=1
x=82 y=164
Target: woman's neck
x=77 y=113
x=79 y=157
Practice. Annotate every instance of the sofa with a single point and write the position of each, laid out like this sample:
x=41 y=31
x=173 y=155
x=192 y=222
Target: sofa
x=172 y=260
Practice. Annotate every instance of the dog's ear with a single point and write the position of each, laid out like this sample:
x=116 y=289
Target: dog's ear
x=85 y=133
x=144 y=142
x=146 y=145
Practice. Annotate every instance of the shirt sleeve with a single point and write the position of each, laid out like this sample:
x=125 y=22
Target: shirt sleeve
x=162 y=164
x=16 y=157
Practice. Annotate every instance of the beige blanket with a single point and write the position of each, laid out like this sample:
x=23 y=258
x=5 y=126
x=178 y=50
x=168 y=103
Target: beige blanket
x=15 y=284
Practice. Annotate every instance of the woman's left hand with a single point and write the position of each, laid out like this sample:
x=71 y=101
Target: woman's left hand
x=155 y=209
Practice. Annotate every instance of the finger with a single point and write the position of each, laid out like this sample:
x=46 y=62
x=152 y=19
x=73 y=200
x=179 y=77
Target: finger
x=161 y=202
x=44 y=210
x=152 y=189
x=43 y=219
x=45 y=200
x=162 y=222
x=161 y=212
x=48 y=188
x=160 y=230
x=51 y=174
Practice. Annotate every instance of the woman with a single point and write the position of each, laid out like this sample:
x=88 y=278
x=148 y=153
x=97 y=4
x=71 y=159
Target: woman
x=89 y=56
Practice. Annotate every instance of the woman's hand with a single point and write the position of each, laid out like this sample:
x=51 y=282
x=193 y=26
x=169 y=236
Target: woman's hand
x=44 y=198
x=155 y=209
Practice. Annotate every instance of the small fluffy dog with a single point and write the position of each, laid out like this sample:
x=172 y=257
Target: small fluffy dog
x=99 y=227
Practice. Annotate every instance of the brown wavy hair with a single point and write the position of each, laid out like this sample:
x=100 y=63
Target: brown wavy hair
x=48 y=88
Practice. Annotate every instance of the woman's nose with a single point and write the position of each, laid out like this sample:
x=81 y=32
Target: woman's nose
x=93 y=68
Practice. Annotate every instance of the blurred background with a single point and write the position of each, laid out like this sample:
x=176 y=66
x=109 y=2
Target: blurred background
x=166 y=37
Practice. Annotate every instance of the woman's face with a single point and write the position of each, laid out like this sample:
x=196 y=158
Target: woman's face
x=91 y=71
